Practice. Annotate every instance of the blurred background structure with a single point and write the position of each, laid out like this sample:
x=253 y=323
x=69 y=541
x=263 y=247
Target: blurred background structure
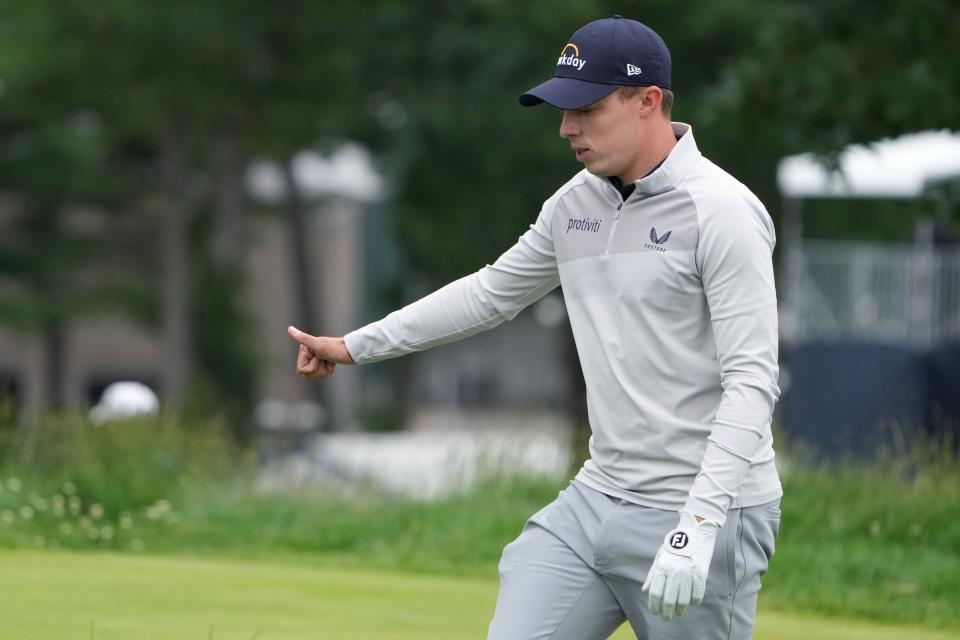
x=181 y=181
x=873 y=326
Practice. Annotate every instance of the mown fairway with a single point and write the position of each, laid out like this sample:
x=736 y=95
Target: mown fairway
x=59 y=595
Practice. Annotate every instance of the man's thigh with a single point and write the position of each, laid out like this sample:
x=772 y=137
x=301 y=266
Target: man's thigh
x=548 y=592
x=743 y=549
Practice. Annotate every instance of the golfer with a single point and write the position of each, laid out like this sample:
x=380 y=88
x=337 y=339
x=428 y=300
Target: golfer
x=665 y=264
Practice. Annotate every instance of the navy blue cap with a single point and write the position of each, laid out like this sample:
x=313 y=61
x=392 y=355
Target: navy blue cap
x=600 y=57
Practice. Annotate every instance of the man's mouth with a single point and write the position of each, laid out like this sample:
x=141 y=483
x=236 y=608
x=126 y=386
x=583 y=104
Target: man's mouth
x=581 y=153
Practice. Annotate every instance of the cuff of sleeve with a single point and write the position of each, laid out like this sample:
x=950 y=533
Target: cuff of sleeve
x=353 y=342
x=706 y=510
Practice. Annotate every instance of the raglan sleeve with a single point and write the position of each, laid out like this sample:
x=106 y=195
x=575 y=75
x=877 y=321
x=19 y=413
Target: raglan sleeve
x=734 y=256
x=477 y=302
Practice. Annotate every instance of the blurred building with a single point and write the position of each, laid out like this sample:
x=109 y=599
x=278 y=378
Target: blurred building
x=872 y=329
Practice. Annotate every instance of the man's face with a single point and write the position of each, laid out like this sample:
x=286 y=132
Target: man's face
x=607 y=136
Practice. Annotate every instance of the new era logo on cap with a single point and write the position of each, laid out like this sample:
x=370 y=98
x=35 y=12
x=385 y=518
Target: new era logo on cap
x=632 y=70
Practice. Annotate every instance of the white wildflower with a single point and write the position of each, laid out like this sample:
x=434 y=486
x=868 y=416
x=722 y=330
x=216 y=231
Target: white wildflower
x=158 y=509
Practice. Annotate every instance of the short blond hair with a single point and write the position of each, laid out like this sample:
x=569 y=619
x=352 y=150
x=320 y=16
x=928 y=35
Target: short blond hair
x=627 y=91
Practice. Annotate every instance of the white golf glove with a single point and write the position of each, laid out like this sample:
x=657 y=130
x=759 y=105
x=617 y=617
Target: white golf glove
x=678 y=577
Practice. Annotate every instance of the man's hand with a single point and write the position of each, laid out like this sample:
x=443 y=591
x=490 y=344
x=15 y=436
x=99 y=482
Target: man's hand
x=318 y=357
x=678 y=577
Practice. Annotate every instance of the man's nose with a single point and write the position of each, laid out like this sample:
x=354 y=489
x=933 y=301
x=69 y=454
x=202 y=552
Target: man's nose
x=567 y=125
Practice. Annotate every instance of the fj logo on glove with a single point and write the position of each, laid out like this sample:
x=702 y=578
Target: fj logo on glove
x=678 y=540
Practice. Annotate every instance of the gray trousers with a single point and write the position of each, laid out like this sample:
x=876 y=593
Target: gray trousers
x=575 y=572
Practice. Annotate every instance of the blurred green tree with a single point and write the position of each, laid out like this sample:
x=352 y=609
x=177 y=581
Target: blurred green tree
x=820 y=75
x=825 y=74
x=183 y=94
x=59 y=186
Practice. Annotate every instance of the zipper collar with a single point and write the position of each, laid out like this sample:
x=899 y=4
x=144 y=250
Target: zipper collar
x=683 y=155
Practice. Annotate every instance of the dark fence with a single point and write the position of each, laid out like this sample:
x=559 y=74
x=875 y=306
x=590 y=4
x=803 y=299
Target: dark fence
x=860 y=398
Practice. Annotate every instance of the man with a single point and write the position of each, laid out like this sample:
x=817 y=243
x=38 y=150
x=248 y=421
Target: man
x=665 y=264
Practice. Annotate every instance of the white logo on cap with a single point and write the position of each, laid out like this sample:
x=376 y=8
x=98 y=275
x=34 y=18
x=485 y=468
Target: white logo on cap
x=632 y=70
x=571 y=61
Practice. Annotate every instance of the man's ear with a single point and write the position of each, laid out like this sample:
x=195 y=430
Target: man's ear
x=650 y=100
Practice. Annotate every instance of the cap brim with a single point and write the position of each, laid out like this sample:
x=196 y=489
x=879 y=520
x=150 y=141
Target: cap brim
x=567 y=93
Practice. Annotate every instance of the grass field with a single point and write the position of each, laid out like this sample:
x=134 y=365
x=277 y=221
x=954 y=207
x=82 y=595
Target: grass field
x=873 y=541
x=53 y=595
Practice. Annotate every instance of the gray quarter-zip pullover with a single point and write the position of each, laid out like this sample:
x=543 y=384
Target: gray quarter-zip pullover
x=671 y=298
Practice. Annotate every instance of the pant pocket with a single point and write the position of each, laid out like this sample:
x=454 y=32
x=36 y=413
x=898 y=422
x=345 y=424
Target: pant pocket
x=771 y=518
x=726 y=551
x=761 y=525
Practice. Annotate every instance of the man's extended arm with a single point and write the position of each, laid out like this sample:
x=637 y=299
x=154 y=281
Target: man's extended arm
x=474 y=303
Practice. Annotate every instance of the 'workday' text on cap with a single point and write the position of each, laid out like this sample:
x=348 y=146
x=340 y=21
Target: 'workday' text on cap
x=600 y=57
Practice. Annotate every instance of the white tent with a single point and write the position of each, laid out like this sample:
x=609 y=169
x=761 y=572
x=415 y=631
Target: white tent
x=893 y=168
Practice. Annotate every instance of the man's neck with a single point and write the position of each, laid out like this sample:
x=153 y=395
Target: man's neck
x=654 y=153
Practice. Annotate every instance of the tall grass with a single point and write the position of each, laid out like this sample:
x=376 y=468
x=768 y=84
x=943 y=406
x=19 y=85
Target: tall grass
x=67 y=482
x=875 y=538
